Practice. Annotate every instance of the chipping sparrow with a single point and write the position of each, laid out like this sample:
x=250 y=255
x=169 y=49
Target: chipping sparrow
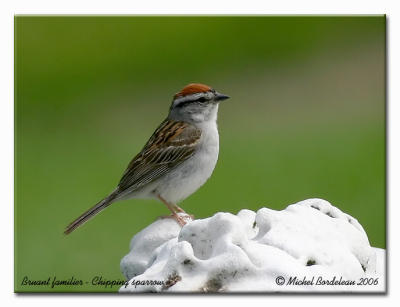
x=177 y=159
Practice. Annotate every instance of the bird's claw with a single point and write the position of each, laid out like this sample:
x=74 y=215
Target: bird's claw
x=181 y=219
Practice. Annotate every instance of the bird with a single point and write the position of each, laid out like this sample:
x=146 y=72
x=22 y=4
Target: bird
x=177 y=160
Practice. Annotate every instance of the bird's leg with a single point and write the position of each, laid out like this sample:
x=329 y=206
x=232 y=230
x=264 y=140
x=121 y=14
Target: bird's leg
x=179 y=209
x=179 y=219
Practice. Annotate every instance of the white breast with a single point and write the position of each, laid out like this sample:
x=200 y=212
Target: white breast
x=194 y=172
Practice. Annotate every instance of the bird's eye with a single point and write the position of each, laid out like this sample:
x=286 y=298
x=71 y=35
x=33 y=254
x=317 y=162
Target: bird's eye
x=202 y=99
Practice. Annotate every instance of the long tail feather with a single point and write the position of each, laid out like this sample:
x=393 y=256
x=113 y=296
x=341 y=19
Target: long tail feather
x=91 y=213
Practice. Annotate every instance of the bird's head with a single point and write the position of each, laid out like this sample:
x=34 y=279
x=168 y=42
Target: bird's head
x=196 y=102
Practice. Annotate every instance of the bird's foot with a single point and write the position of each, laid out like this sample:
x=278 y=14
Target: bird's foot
x=181 y=219
x=191 y=216
x=178 y=209
x=177 y=212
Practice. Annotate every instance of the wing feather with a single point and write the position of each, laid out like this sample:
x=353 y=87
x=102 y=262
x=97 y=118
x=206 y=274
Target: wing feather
x=171 y=144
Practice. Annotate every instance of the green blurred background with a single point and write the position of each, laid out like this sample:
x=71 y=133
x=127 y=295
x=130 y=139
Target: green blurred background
x=306 y=119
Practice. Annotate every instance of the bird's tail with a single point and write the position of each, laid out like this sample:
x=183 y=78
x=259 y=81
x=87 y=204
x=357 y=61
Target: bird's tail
x=91 y=212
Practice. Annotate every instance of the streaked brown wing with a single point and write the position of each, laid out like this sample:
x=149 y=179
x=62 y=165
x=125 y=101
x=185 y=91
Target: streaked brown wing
x=171 y=144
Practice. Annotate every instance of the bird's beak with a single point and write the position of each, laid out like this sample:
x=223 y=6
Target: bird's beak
x=220 y=97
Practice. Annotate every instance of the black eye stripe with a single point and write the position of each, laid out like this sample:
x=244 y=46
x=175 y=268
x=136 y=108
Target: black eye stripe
x=188 y=100
x=183 y=103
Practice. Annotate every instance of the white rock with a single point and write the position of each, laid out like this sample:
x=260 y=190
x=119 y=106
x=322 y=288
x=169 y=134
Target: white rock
x=307 y=242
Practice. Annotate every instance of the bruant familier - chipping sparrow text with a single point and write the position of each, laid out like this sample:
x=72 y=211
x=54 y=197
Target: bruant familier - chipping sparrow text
x=177 y=159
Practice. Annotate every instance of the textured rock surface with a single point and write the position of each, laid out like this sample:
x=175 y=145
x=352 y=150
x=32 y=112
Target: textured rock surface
x=308 y=243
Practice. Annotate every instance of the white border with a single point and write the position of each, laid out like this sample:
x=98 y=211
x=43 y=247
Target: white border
x=9 y=8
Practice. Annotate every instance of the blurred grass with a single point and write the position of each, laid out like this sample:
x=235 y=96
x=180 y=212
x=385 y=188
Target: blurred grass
x=306 y=119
